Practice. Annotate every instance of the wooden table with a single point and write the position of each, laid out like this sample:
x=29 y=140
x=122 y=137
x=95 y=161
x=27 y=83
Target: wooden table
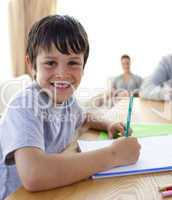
x=135 y=187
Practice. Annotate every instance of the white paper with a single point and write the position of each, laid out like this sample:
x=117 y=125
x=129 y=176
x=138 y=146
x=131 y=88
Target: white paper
x=155 y=156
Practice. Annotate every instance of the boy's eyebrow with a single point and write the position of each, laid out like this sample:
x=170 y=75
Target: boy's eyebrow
x=50 y=57
x=75 y=57
x=54 y=57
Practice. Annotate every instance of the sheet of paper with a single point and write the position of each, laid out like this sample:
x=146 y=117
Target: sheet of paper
x=156 y=155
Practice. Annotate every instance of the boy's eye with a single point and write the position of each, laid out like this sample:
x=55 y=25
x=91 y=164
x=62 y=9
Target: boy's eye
x=74 y=64
x=50 y=63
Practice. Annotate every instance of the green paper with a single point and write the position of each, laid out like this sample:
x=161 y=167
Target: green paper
x=103 y=135
x=145 y=130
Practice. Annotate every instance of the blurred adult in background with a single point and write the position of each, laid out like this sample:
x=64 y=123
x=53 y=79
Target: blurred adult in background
x=127 y=83
x=159 y=85
x=121 y=86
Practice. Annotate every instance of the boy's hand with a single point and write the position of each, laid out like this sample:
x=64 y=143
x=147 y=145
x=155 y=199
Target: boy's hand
x=125 y=150
x=115 y=129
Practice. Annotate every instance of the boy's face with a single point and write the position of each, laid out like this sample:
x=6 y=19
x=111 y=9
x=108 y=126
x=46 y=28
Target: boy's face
x=59 y=73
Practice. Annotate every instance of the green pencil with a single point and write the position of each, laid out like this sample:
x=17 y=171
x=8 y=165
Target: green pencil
x=130 y=106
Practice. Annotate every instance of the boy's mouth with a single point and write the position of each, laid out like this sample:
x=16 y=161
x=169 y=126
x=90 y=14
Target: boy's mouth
x=60 y=84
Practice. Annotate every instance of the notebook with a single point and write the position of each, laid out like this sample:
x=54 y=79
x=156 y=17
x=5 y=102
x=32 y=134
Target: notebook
x=155 y=156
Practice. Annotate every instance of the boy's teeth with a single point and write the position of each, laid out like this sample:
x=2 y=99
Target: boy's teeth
x=58 y=84
x=61 y=85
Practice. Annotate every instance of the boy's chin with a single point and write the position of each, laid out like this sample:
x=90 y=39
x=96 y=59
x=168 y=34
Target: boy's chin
x=61 y=99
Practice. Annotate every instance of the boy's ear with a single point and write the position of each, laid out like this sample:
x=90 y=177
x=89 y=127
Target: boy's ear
x=30 y=66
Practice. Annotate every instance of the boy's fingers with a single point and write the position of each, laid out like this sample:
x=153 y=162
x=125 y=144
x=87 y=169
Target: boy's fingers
x=121 y=128
x=116 y=129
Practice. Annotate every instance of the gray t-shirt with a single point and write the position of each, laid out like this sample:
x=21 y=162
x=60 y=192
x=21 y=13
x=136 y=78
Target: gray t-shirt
x=163 y=73
x=32 y=120
x=131 y=85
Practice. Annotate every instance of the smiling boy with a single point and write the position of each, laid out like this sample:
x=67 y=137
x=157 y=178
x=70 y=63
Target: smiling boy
x=38 y=126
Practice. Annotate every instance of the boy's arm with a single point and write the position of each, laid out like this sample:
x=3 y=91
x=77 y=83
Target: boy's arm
x=96 y=122
x=40 y=171
x=102 y=124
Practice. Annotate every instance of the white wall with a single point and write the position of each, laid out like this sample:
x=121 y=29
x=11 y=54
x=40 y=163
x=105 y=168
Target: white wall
x=140 y=28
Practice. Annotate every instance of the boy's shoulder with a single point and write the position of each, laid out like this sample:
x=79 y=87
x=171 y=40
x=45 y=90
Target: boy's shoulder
x=26 y=95
x=28 y=99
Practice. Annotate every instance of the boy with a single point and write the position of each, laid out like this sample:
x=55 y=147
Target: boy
x=41 y=120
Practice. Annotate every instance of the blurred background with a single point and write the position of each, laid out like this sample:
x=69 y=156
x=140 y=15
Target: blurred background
x=139 y=28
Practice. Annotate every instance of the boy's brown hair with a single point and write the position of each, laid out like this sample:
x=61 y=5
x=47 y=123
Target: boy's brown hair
x=65 y=32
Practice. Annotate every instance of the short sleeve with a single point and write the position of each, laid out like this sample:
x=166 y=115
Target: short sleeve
x=19 y=128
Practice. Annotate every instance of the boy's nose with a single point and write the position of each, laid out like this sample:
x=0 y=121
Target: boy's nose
x=60 y=71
